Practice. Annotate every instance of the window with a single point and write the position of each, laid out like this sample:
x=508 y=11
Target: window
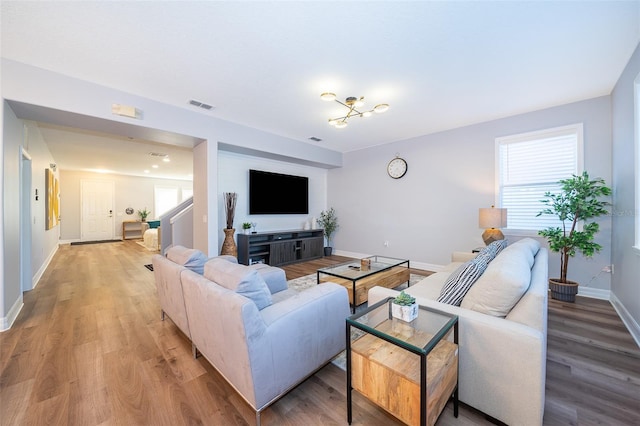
x=530 y=164
x=167 y=197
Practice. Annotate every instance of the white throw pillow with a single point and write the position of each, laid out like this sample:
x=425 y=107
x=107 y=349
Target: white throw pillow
x=239 y=278
x=504 y=282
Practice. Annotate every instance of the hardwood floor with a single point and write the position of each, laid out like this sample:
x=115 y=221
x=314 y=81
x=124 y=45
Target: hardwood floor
x=89 y=348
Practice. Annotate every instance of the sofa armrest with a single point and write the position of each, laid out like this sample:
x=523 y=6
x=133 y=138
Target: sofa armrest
x=304 y=332
x=462 y=256
x=502 y=362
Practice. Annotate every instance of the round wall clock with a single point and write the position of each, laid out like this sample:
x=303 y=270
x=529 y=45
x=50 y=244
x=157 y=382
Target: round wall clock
x=397 y=168
x=129 y=210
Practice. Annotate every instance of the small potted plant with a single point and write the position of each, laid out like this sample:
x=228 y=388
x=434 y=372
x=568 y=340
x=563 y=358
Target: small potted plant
x=246 y=226
x=404 y=307
x=578 y=201
x=143 y=214
x=329 y=221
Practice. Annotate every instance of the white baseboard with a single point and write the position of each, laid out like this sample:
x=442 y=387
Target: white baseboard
x=413 y=264
x=67 y=242
x=626 y=318
x=594 y=293
x=7 y=322
x=45 y=265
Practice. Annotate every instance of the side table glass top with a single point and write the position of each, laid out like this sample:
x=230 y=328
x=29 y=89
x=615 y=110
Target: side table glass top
x=354 y=271
x=418 y=336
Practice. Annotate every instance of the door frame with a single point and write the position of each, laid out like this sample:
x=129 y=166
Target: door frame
x=26 y=167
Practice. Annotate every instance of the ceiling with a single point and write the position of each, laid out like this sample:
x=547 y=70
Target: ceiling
x=440 y=65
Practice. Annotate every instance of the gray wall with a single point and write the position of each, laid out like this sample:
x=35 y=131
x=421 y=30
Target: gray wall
x=433 y=209
x=626 y=279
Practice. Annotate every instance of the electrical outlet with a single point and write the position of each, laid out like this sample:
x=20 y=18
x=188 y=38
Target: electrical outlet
x=386 y=243
x=608 y=268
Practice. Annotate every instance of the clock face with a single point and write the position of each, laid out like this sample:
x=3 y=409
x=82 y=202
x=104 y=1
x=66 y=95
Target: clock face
x=397 y=168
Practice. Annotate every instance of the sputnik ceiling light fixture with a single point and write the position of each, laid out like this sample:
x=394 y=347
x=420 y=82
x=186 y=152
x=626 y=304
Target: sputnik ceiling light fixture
x=352 y=103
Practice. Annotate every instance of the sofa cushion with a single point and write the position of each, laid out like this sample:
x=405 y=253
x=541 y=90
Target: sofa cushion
x=239 y=278
x=189 y=258
x=461 y=280
x=505 y=280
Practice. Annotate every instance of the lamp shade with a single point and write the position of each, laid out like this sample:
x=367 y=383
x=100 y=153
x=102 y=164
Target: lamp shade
x=492 y=218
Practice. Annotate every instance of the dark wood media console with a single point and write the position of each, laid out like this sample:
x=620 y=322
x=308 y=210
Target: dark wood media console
x=280 y=247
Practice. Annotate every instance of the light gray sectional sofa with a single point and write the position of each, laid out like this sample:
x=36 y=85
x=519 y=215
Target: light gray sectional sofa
x=261 y=336
x=502 y=327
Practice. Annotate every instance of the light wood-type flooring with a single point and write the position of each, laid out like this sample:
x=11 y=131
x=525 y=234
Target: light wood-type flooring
x=89 y=348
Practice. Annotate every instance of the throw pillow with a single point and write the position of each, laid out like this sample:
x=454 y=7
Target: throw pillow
x=189 y=258
x=460 y=281
x=489 y=252
x=239 y=278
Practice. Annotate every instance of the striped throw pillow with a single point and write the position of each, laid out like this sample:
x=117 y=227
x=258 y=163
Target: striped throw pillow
x=460 y=281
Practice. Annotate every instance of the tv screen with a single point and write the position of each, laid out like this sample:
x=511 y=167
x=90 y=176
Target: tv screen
x=275 y=193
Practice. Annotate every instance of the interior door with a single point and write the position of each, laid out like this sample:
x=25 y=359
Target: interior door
x=97 y=210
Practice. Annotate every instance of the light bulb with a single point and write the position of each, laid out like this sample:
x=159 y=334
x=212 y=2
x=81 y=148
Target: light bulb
x=366 y=114
x=341 y=124
x=380 y=108
x=328 y=96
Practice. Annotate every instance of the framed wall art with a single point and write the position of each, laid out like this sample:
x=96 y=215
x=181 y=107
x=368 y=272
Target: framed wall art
x=52 y=202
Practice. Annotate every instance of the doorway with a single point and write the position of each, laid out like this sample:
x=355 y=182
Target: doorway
x=96 y=203
x=26 y=276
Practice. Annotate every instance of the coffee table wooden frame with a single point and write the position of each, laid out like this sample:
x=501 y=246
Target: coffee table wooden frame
x=358 y=281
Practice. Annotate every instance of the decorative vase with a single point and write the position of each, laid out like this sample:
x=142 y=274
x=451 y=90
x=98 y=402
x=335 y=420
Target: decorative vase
x=404 y=312
x=229 y=244
x=565 y=292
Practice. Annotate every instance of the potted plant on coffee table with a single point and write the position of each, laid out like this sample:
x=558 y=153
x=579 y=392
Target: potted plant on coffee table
x=329 y=221
x=577 y=202
x=404 y=307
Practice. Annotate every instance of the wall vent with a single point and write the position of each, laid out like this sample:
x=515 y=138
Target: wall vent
x=201 y=105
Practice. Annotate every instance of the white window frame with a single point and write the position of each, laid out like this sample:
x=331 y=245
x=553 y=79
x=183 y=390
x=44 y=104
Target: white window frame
x=530 y=136
x=636 y=137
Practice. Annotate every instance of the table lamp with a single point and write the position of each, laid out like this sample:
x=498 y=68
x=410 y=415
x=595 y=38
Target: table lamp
x=491 y=219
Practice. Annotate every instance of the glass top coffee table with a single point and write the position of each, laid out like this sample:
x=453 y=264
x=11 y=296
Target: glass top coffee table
x=360 y=275
x=417 y=359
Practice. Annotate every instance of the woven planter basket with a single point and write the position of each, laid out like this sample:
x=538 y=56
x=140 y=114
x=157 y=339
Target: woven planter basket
x=565 y=292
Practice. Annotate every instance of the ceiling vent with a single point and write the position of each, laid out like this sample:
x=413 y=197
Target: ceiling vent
x=158 y=154
x=200 y=105
x=315 y=139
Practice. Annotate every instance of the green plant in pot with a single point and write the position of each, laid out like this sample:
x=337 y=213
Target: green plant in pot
x=329 y=221
x=246 y=226
x=578 y=201
x=144 y=213
x=404 y=307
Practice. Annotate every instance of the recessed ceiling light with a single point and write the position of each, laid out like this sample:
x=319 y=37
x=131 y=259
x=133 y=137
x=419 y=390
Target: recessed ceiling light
x=146 y=171
x=166 y=159
x=155 y=166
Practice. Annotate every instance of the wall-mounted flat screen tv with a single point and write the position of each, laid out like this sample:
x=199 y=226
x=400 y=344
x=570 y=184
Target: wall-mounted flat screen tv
x=275 y=193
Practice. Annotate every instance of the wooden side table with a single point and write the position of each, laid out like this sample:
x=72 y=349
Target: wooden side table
x=407 y=368
x=132 y=229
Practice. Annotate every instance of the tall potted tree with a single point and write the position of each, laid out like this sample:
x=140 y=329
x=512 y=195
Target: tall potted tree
x=578 y=201
x=329 y=221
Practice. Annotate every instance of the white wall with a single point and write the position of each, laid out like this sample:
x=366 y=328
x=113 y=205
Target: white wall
x=233 y=176
x=130 y=191
x=433 y=209
x=43 y=243
x=625 y=285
